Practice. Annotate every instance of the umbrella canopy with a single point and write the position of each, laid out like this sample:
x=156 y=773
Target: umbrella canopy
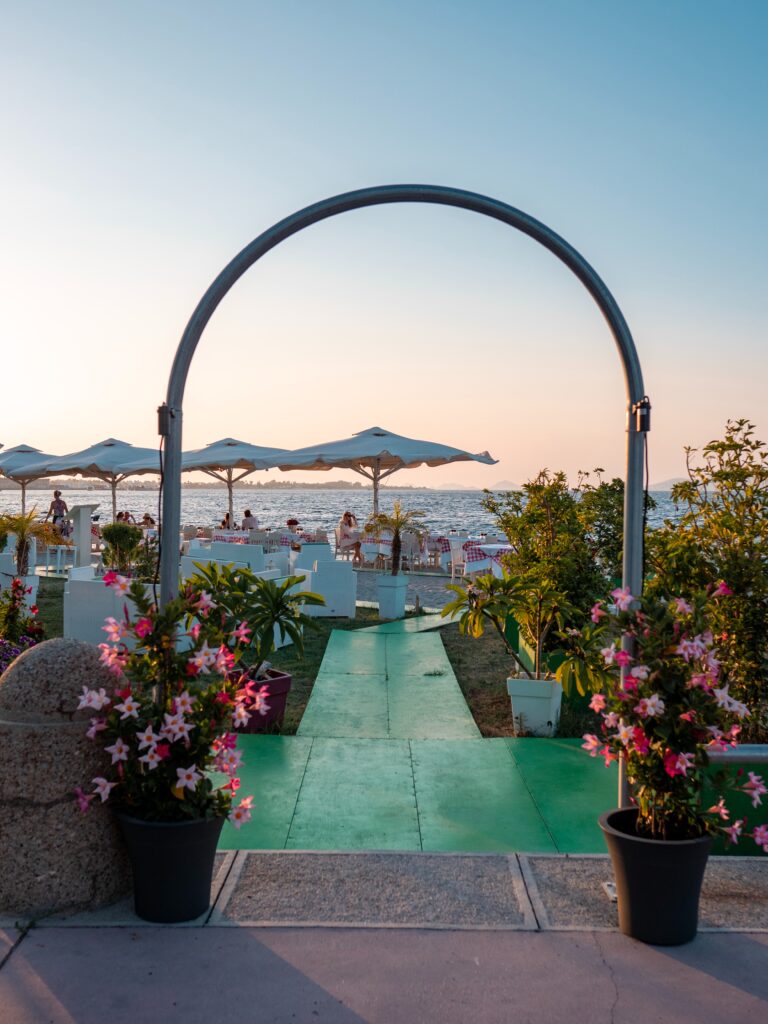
x=377 y=453
x=22 y=465
x=104 y=461
x=224 y=458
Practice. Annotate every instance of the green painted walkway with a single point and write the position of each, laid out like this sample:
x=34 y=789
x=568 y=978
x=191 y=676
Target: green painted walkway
x=388 y=757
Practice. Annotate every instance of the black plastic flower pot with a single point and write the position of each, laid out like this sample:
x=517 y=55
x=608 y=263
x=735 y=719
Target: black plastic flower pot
x=658 y=882
x=172 y=865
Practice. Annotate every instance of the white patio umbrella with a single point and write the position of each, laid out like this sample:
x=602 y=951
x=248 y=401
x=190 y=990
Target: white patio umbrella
x=104 y=461
x=375 y=454
x=22 y=465
x=224 y=458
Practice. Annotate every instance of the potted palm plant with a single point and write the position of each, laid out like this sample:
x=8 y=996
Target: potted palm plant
x=272 y=611
x=26 y=528
x=391 y=587
x=537 y=612
x=665 y=706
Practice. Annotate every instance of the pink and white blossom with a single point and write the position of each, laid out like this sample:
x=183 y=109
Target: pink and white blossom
x=598 y=702
x=114 y=629
x=734 y=831
x=756 y=788
x=622 y=598
x=128 y=708
x=119 y=750
x=97 y=725
x=103 y=788
x=188 y=778
x=147 y=738
x=152 y=759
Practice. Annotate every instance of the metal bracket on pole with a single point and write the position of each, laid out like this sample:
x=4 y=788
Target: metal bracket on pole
x=164 y=419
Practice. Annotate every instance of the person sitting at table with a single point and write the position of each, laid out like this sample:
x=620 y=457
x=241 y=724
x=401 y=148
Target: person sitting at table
x=293 y=525
x=127 y=518
x=349 y=538
x=249 y=522
x=147 y=521
x=227 y=524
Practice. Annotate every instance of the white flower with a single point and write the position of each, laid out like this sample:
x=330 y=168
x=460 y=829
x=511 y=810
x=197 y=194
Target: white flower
x=119 y=750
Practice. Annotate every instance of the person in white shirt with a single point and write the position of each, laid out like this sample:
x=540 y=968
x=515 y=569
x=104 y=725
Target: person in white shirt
x=249 y=522
x=349 y=537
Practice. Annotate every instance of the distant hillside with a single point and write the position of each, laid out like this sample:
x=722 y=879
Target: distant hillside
x=504 y=485
x=667 y=485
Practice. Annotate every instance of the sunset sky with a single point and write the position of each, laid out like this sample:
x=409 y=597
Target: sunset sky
x=145 y=143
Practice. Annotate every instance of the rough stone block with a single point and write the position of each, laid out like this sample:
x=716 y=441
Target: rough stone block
x=53 y=857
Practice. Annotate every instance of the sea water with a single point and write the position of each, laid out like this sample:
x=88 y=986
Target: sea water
x=315 y=508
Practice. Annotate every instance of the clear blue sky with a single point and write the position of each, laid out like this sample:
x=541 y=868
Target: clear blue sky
x=146 y=143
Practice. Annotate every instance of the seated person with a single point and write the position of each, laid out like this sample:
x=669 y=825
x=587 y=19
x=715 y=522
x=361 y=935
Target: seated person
x=147 y=521
x=227 y=524
x=293 y=525
x=249 y=522
x=349 y=537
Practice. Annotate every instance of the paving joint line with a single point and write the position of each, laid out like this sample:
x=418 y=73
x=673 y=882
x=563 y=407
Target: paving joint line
x=298 y=792
x=415 y=796
x=544 y=821
x=23 y=932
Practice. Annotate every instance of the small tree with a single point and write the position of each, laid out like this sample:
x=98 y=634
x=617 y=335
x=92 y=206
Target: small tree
x=555 y=571
x=601 y=510
x=722 y=535
x=26 y=528
x=396 y=522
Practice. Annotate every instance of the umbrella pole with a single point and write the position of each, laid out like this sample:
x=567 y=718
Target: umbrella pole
x=23 y=496
x=114 y=500
x=376 y=472
x=230 y=487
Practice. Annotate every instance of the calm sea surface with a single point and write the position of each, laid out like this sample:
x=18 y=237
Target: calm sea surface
x=314 y=508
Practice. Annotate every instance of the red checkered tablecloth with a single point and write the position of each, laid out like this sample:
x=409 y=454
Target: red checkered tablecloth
x=473 y=552
x=227 y=537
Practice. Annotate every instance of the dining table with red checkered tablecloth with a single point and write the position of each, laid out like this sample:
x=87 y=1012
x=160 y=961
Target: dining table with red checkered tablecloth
x=230 y=536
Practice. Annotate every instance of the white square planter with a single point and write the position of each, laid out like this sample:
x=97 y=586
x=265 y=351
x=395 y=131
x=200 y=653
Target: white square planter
x=535 y=705
x=391 y=592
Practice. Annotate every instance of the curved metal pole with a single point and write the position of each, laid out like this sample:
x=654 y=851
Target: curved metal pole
x=636 y=424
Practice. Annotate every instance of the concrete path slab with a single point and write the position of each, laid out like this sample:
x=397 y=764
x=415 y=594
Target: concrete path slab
x=413 y=693
x=471 y=796
x=273 y=770
x=357 y=794
x=429 y=707
x=570 y=790
x=356 y=652
x=416 y=624
x=347 y=705
x=378 y=976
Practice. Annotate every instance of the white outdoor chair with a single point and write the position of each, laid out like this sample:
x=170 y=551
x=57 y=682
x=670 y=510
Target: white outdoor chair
x=340 y=552
x=458 y=559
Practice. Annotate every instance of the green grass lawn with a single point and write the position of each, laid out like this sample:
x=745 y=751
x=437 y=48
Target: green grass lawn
x=50 y=601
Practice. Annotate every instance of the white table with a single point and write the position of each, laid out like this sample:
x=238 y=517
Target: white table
x=494 y=552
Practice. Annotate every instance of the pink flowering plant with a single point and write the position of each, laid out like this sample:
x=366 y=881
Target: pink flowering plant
x=172 y=718
x=665 y=706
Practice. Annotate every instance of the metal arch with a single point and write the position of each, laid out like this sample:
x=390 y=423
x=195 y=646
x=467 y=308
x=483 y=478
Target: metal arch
x=171 y=421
